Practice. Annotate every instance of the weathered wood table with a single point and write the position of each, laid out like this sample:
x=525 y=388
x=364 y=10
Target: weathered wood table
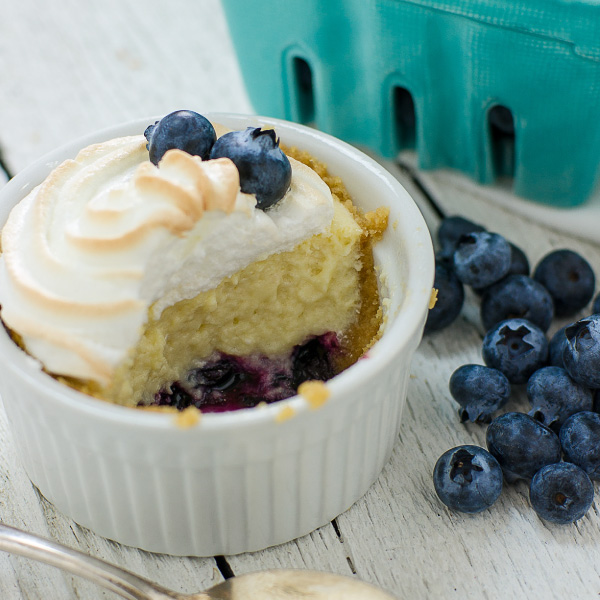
x=68 y=68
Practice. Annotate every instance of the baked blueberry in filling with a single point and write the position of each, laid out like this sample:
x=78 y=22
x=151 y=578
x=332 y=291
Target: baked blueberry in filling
x=227 y=382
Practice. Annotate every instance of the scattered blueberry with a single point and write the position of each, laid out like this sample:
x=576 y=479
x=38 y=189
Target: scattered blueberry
x=467 y=479
x=450 y=298
x=264 y=169
x=517 y=296
x=580 y=440
x=569 y=278
x=554 y=396
x=480 y=391
x=481 y=258
x=556 y=348
x=521 y=445
x=516 y=310
x=561 y=493
x=519 y=265
x=516 y=347
x=183 y=129
x=450 y=231
x=581 y=354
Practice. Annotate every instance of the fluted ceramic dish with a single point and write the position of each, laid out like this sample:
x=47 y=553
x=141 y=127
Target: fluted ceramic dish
x=243 y=480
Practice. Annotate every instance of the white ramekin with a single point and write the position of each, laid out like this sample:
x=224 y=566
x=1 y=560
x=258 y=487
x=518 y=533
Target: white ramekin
x=239 y=481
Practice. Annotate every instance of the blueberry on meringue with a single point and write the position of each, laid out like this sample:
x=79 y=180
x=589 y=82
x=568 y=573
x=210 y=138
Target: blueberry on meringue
x=184 y=130
x=264 y=169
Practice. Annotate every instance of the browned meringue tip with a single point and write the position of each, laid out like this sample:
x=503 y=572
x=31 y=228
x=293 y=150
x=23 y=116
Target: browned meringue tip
x=211 y=184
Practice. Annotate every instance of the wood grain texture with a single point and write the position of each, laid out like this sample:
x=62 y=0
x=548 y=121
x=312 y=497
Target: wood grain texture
x=70 y=67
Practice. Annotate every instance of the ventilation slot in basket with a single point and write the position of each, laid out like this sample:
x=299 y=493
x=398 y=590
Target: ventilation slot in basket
x=305 y=98
x=404 y=118
x=502 y=141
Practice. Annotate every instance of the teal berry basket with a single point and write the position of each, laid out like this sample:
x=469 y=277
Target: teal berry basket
x=494 y=89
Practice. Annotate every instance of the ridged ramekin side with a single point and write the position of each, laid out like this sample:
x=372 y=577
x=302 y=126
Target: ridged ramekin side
x=186 y=492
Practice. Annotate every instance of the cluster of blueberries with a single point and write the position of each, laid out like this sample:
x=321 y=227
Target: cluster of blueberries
x=264 y=169
x=556 y=446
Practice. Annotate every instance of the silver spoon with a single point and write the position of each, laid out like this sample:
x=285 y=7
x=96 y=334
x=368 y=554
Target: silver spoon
x=263 y=585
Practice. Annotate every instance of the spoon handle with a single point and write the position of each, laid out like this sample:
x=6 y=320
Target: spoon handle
x=117 y=580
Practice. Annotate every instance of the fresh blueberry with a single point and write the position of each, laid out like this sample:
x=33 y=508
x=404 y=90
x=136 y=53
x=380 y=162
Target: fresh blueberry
x=569 y=279
x=519 y=265
x=580 y=440
x=516 y=347
x=467 y=478
x=596 y=305
x=480 y=391
x=561 y=493
x=450 y=231
x=450 y=298
x=581 y=354
x=183 y=129
x=481 y=258
x=264 y=169
x=556 y=348
x=517 y=296
x=554 y=396
x=521 y=445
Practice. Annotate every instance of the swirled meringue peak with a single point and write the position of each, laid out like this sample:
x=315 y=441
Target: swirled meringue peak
x=109 y=239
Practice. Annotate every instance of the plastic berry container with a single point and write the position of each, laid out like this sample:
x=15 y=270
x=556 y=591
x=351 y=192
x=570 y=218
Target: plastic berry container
x=495 y=90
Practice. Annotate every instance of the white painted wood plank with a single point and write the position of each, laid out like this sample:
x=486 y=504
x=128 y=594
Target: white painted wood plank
x=182 y=574
x=427 y=551
x=457 y=194
x=578 y=221
x=321 y=550
x=68 y=68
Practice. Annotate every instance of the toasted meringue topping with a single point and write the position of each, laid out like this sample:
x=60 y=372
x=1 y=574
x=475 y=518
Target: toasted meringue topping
x=108 y=237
